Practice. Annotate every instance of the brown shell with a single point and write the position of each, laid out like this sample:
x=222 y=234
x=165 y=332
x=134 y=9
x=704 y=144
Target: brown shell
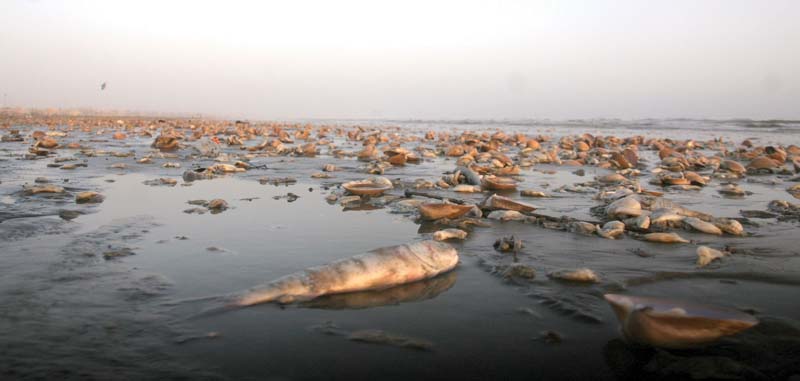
x=435 y=211
x=499 y=183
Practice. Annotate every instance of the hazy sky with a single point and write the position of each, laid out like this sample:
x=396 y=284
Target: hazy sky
x=406 y=59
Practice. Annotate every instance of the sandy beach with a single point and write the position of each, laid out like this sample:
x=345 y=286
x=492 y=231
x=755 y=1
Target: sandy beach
x=119 y=234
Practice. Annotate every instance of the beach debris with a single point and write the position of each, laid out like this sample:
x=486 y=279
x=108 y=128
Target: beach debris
x=38 y=189
x=506 y=244
x=89 y=197
x=376 y=336
x=119 y=253
x=551 y=337
x=68 y=215
x=519 y=270
x=166 y=143
x=161 y=181
x=217 y=205
x=706 y=255
x=197 y=174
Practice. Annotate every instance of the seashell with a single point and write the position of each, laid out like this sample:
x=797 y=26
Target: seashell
x=495 y=202
x=733 y=166
x=374 y=186
x=695 y=179
x=498 y=183
x=612 y=178
x=763 y=162
x=435 y=211
x=676 y=324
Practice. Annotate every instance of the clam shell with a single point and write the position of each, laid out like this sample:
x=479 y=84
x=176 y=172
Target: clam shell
x=435 y=211
x=370 y=187
x=495 y=202
x=671 y=323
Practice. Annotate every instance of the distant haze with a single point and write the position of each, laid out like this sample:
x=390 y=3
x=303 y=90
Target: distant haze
x=406 y=59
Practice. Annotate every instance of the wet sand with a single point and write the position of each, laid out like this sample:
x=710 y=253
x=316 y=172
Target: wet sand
x=119 y=291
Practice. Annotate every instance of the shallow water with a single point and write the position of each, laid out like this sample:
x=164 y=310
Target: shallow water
x=69 y=313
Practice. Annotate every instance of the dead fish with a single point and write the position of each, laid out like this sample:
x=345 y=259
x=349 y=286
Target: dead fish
x=581 y=227
x=664 y=215
x=638 y=223
x=625 y=207
x=612 y=230
x=532 y=193
x=664 y=238
x=729 y=226
x=378 y=269
x=506 y=215
x=702 y=226
x=446 y=234
x=471 y=176
x=463 y=188
x=580 y=276
x=706 y=255
x=675 y=324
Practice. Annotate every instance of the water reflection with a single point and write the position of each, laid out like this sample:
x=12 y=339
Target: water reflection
x=413 y=292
